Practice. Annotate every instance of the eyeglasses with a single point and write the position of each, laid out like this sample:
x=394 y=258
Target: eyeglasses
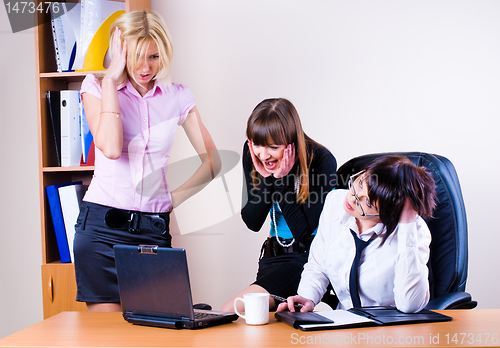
x=353 y=192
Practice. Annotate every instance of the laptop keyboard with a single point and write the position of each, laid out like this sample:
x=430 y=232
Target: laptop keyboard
x=204 y=315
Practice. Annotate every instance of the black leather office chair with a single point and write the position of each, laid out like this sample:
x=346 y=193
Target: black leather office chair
x=449 y=247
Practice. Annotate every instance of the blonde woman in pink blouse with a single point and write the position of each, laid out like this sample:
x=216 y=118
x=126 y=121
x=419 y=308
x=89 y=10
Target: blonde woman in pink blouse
x=133 y=112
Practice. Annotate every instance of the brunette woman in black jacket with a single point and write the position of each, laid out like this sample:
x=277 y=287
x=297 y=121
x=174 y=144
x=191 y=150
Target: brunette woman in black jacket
x=287 y=176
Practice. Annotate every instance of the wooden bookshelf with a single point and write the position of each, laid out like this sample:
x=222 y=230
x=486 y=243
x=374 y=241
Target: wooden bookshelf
x=58 y=279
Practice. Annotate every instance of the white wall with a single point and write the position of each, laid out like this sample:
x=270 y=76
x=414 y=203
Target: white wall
x=365 y=76
x=20 y=237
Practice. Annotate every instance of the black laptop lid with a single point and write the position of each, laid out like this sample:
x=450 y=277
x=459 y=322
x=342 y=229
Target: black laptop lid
x=154 y=281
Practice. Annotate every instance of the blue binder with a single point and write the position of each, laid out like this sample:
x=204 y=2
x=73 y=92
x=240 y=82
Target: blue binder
x=58 y=220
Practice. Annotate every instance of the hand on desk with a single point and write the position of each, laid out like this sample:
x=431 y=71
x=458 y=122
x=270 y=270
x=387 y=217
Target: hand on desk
x=308 y=305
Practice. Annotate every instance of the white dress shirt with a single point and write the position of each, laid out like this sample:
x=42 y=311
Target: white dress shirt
x=394 y=273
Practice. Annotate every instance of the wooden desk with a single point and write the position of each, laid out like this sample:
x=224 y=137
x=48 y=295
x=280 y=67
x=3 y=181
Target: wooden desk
x=80 y=329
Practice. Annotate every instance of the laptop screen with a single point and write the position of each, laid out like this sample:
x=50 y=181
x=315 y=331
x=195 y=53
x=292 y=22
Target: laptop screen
x=154 y=282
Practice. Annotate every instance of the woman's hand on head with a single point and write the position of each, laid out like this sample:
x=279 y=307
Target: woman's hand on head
x=408 y=214
x=308 y=305
x=287 y=162
x=119 y=60
x=257 y=164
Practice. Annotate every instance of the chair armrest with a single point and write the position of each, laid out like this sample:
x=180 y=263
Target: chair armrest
x=454 y=300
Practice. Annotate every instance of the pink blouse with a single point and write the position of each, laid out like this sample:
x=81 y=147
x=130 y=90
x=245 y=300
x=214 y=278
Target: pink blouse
x=137 y=180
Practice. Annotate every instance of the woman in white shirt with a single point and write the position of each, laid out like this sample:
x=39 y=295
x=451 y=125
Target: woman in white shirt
x=383 y=208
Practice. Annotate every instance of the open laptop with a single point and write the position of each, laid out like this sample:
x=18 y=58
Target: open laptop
x=155 y=290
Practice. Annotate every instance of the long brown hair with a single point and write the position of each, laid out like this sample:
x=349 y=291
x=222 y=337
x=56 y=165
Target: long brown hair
x=276 y=122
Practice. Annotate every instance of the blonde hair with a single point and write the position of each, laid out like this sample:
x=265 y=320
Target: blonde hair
x=139 y=28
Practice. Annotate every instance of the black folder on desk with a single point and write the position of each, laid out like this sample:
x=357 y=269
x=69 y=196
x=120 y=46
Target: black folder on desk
x=357 y=317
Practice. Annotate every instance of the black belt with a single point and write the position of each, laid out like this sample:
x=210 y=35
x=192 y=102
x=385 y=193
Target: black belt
x=271 y=247
x=136 y=221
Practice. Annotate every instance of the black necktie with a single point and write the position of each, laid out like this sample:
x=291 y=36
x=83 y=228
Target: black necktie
x=353 y=278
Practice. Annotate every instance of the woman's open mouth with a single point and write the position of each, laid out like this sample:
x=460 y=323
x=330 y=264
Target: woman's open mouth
x=270 y=165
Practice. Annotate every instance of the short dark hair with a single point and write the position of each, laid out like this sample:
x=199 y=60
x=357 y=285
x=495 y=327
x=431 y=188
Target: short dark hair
x=391 y=180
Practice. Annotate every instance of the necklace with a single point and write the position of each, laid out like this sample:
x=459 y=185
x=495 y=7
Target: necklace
x=296 y=190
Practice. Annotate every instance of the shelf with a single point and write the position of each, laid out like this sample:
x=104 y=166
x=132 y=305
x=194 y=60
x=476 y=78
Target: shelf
x=64 y=80
x=58 y=262
x=70 y=74
x=68 y=169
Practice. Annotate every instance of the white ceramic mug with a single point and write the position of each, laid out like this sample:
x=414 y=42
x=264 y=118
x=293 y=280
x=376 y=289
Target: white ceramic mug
x=256 y=308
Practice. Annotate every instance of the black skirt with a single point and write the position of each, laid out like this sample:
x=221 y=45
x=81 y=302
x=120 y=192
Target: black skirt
x=94 y=256
x=280 y=275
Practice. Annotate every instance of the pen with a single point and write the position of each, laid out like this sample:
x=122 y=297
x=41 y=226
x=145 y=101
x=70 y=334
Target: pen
x=282 y=299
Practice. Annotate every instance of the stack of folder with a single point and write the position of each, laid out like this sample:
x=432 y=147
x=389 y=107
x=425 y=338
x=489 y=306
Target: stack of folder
x=81 y=34
x=73 y=144
x=64 y=202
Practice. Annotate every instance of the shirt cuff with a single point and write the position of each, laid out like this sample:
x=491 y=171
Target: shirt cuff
x=310 y=294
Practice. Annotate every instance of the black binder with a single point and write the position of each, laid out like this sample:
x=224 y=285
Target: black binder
x=357 y=317
x=54 y=110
